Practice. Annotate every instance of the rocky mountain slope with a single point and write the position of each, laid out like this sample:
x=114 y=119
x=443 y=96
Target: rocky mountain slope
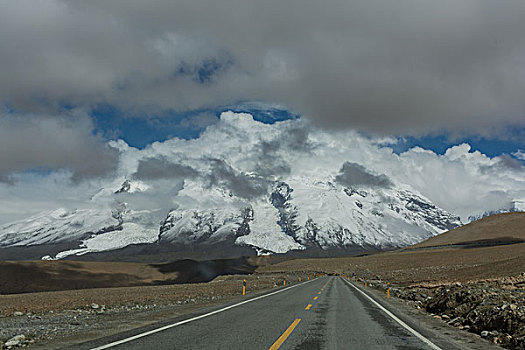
x=297 y=215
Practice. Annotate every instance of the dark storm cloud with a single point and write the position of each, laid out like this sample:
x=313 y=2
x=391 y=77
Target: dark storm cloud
x=505 y=163
x=353 y=174
x=240 y=184
x=272 y=165
x=44 y=143
x=270 y=161
x=155 y=169
x=510 y=163
x=387 y=66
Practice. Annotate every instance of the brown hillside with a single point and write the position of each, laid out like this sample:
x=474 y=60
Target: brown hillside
x=492 y=230
x=37 y=276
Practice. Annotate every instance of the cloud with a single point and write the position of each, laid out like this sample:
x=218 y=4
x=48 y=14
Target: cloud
x=353 y=174
x=161 y=168
x=43 y=143
x=506 y=161
x=245 y=157
x=519 y=155
x=32 y=193
x=462 y=181
x=199 y=121
x=294 y=138
x=389 y=67
x=241 y=185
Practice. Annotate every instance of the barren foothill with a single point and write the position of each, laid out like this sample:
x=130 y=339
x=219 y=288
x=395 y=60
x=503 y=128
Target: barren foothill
x=497 y=229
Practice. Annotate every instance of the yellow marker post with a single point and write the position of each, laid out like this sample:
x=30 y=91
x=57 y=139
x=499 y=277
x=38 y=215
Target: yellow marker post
x=243 y=287
x=284 y=281
x=365 y=284
x=299 y=278
x=388 y=290
x=308 y=277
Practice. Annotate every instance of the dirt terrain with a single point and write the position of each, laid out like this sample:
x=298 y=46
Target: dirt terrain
x=416 y=267
x=39 y=276
x=493 y=230
x=83 y=298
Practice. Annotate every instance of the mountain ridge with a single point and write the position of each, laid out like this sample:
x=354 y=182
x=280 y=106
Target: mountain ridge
x=320 y=215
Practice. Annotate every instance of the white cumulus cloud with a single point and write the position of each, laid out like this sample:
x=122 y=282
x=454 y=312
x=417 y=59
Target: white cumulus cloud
x=242 y=156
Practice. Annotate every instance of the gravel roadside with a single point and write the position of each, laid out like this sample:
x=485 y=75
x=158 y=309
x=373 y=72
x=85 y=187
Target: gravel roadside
x=53 y=320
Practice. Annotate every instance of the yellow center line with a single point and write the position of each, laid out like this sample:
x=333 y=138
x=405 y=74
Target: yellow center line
x=308 y=307
x=285 y=335
x=315 y=298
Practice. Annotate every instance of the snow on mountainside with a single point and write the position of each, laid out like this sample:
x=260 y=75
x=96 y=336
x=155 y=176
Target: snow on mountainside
x=269 y=187
x=513 y=207
x=310 y=214
x=59 y=226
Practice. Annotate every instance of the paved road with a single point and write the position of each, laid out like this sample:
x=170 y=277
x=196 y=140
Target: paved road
x=326 y=313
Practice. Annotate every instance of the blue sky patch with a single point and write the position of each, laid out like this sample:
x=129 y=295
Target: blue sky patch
x=140 y=131
x=440 y=143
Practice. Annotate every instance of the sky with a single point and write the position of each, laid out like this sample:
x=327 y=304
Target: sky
x=76 y=76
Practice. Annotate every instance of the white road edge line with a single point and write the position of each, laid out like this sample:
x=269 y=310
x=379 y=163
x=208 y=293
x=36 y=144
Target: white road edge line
x=156 y=330
x=407 y=327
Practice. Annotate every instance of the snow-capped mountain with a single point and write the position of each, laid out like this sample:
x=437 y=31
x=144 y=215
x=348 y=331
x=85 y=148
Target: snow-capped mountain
x=299 y=214
x=314 y=214
x=272 y=187
x=512 y=207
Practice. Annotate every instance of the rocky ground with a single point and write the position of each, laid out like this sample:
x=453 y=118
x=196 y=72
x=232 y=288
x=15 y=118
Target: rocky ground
x=493 y=309
x=55 y=319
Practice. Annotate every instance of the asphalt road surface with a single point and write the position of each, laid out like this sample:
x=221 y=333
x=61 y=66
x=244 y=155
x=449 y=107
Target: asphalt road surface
x=326 y=313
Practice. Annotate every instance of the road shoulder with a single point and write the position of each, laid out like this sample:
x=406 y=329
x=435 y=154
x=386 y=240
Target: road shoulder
x=438 y=332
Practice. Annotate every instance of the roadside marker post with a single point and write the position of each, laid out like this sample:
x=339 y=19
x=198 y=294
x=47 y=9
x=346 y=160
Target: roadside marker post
x=243 y=287
x=388 y=290
x=365 y=284
x=299 y=278
x=284 y=281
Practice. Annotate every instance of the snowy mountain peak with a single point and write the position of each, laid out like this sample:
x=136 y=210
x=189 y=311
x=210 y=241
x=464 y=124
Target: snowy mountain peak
x=129 y=186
